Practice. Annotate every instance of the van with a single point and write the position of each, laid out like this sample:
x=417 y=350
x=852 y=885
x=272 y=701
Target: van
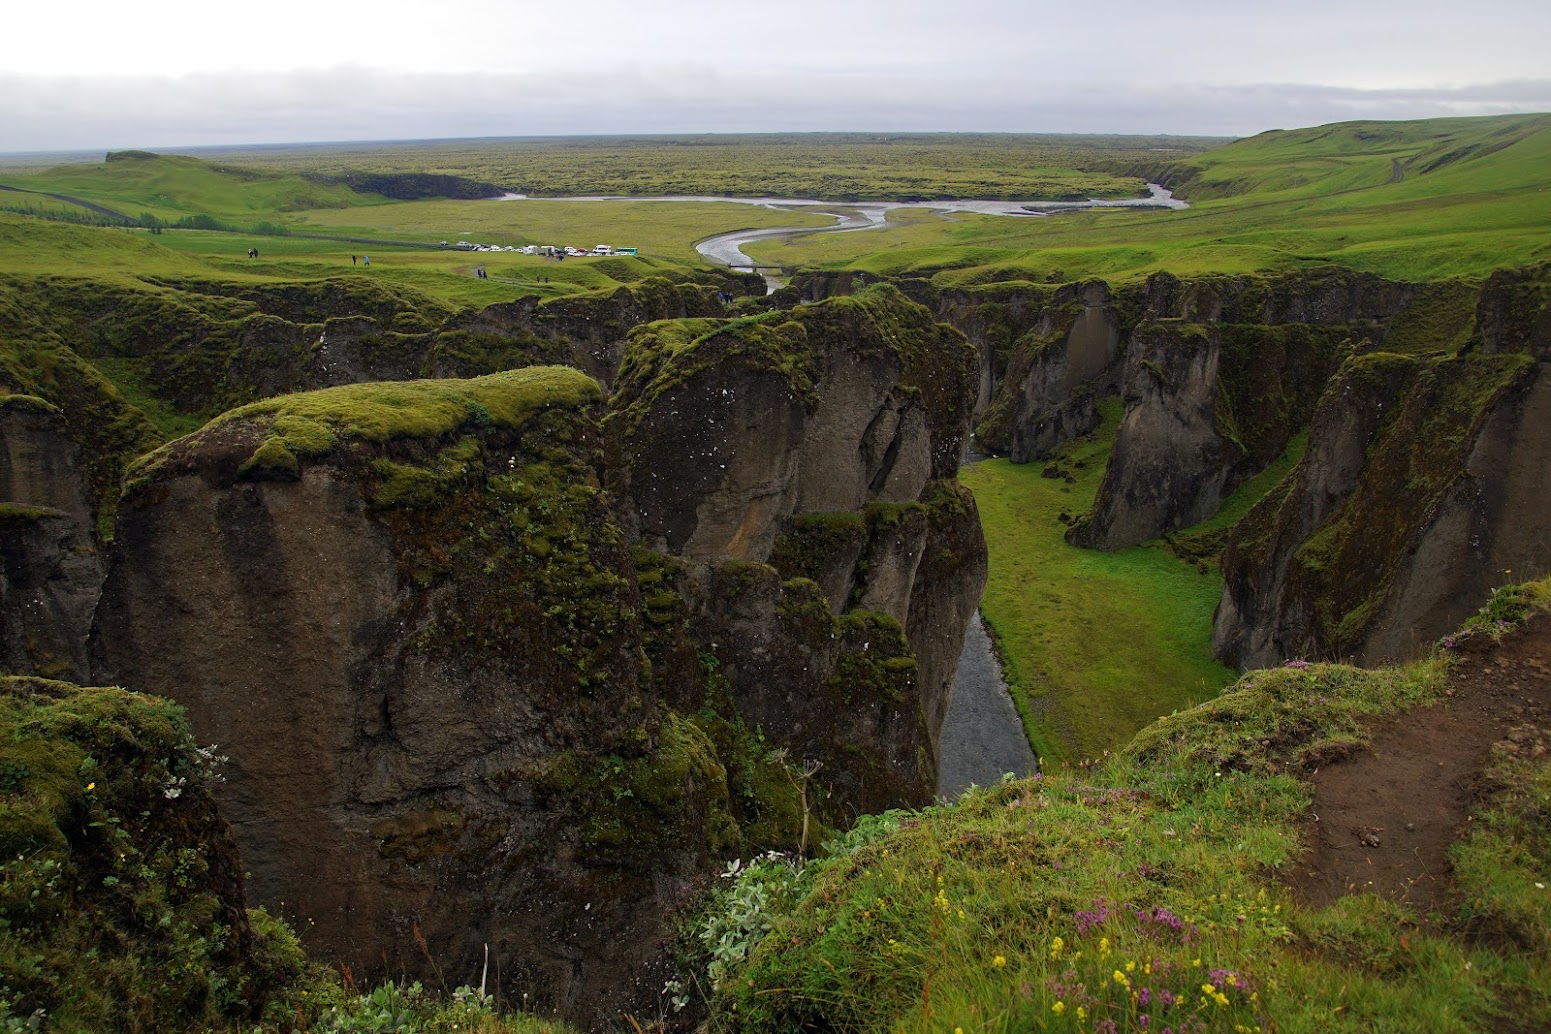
x=601 y=249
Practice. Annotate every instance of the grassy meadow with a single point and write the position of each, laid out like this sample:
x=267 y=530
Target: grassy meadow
x=1094 y=645
x=657 y=228
x=826 y=166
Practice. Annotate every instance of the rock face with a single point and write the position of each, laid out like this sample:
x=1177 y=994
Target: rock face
x=404 y=612
x=471 y=697
x=1055 y=376
x=50 y=571
x=821 y=441
x=1207 y=407
x=1419 y=492
x=207 y=346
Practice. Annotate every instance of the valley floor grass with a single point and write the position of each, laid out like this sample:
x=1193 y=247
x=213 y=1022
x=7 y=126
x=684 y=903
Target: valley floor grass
x=1094 y=645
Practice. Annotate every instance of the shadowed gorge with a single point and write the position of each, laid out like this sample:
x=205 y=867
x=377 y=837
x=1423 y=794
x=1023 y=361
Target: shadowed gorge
x=561 y=639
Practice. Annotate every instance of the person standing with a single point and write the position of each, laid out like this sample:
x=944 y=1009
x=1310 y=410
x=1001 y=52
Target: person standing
x=352 y=260
x=366 y=260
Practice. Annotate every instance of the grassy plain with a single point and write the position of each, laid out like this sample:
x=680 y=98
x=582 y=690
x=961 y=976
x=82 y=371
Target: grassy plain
x=659 y=228
x=1094 y=645
x=827 y=166
x=1417 y=200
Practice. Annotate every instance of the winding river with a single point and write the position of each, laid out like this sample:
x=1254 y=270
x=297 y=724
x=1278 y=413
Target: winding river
x=726 y=249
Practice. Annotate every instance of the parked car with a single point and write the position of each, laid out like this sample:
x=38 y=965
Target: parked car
x=602 y=249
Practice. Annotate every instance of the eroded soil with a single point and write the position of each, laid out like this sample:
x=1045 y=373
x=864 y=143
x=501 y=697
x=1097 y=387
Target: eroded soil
x=1384 y=818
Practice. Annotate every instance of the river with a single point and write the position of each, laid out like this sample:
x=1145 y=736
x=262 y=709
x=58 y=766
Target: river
x=982 y=737
x=726 y=249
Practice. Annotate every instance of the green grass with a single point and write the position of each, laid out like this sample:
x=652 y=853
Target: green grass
x=660 y=229
x=1094 y=645
x=171 y=187
x=829 y=166
x=1274 y=202
x=1049 y=904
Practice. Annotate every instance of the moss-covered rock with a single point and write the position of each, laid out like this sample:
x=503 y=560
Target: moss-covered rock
x=121 y=893
x=1414 y=494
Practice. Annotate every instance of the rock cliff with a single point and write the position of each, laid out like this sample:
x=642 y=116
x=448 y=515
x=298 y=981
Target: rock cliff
x=1418 y=493
x=50 y=571
x=493 y=669
x=1207 y=406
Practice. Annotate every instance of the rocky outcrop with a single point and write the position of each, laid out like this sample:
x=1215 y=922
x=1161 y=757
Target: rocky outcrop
x=1207 y=407
x=1329 y=296
x=404 y=612
x=50 y=571
x=724 y=429
x=472 y=698
x=822 y=441
x=1419 y=492
x=1055 y=375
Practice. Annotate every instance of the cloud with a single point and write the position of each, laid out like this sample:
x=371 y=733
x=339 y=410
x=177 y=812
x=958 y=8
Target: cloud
x=79 y=112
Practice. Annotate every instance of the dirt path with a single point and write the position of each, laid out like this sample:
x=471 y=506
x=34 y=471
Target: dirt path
x=1386 y=817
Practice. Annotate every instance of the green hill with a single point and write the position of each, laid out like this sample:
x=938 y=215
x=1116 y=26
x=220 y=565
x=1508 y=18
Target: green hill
x=1422 y=200
x=171 y=186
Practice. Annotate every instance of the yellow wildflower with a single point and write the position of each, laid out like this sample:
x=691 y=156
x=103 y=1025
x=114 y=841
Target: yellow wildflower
x=1209 y=989
x=91 y=786
x=999 y=961
x=1058 y=1008
x=1221 y=998
x=1082 y=1014
x=1131 y=967
x=1056 y=946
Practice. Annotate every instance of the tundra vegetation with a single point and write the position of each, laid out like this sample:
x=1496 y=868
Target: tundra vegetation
x=1146 y=889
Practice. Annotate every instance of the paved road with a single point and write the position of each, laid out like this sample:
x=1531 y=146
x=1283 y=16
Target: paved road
x=982 y=737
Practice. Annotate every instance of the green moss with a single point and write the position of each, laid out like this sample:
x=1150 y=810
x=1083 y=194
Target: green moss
x=31 y=402
x=1437 y=320
x=402 y=485
x=120 y=889
x=812 y=543
x=271 y=459
x=1268 y=383
x=672 y=798
x=19 y=514
x=387 y=411
x=1346 y=567
x=879 y=664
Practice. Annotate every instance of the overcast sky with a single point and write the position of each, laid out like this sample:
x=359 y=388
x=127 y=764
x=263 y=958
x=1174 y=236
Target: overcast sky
x=165 y=73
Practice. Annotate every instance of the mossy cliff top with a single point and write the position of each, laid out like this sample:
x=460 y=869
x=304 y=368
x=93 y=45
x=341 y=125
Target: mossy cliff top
x=312 y=425
x=799 y=346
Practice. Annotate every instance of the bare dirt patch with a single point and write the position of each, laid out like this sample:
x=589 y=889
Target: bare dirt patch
x=1385 y=817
